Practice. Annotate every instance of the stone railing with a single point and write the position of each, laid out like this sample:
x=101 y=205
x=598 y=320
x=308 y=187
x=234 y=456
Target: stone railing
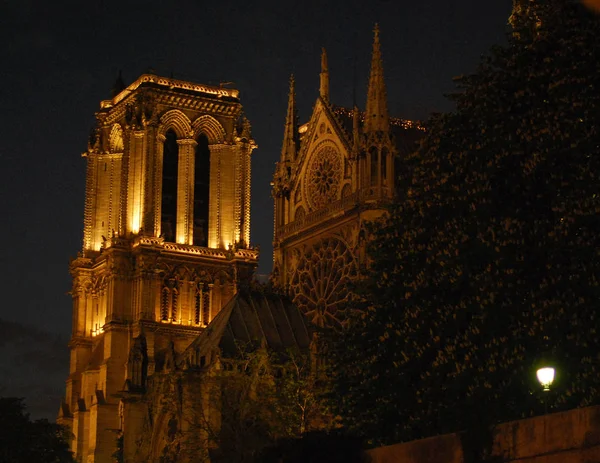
x=366 y=196
x=332 y=209
x=197 y=250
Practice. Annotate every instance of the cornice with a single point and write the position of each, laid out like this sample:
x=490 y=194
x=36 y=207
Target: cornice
x=170 y=83
x=205 y=104
x=170 y=328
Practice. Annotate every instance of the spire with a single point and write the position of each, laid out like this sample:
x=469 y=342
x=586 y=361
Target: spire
x=290 y=134
x=324 y=88
x=377 y=119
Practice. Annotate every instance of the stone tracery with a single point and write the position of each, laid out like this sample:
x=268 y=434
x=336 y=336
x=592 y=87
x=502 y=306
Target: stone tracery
x=324 y=176
x=318 y=285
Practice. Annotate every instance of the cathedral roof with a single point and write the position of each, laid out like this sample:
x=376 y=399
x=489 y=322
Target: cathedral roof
x=252 y=317
x=405 y=132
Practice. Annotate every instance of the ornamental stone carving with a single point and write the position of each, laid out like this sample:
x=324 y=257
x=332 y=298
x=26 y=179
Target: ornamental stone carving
x=319 y=283
x=324 y=176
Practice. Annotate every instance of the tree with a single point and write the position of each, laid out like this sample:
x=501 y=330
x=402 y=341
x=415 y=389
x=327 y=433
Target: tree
x=492 y=256
x=234 y=407
x=265 y=396
x=316 y=447
x=23 y=440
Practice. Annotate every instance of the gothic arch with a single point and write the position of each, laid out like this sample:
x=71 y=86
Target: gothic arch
x=161 y=440
x=177 y=121
x=222 y=277
x=115 y=139
x=210 y=127
x=202 y=276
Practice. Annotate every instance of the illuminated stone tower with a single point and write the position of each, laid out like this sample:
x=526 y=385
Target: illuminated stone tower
x=336 y=172
x=165 y=243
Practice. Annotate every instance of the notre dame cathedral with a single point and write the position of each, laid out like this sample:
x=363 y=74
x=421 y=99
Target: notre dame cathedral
x=336 y=172
x=158 y=289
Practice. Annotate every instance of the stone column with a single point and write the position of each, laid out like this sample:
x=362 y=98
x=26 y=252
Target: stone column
x=135 y=190
x=210 y=304
x=156 y=185
x=185 y=191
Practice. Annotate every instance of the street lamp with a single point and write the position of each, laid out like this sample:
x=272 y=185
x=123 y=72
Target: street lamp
x=545 y=376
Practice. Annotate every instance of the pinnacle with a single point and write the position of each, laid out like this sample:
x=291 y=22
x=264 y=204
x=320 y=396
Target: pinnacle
x=377 y=113
x=324 y=76
x=288 y=150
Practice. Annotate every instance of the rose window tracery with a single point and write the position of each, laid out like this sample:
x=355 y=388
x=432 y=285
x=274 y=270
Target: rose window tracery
x=319 y=284
x=324 y=177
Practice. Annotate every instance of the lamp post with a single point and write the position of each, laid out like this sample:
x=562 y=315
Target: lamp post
x=545 y=376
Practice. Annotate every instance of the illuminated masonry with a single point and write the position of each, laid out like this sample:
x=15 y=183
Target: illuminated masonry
x=336 y=172
x=166 y=241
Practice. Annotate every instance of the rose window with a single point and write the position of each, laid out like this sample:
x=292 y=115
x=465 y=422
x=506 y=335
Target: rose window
x=319 y=284
x=324 y=177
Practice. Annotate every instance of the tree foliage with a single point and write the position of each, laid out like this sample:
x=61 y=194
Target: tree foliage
x=234 y=408
x=23 y=440
x=492 y=257
x=316 y=447
x=265 y=396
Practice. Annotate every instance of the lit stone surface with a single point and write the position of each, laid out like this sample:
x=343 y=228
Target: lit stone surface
x=166 y=245
x=336 y=172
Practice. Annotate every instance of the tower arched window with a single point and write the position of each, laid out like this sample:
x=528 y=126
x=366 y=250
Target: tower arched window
x=168 y=215
x=201 y=191
x=384 y=166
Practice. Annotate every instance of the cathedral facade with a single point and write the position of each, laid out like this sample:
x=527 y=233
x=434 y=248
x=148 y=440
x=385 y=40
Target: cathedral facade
x=165 y=244
x=336 y=172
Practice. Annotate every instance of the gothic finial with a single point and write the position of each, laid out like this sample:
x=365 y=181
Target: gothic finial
x=377 y=118
x=324 y=87
x=290 y=134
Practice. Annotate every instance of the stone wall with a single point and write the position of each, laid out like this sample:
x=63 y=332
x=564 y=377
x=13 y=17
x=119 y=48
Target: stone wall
x=567 y=437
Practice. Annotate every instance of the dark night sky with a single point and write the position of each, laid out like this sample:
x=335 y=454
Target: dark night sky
x=59 y=59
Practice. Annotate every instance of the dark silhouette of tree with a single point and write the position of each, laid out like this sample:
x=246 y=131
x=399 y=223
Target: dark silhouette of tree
x=492 y=256
x=25 y=441
x=316 y=447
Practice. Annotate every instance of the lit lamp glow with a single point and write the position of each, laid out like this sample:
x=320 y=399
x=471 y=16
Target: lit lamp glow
x=546 y=377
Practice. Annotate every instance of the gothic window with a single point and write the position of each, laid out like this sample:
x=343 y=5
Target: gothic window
x=197 y=305
x=168 y=215
x=201 y=191
x=206 y=308
x=174 y=300
x=319 y=284
x=374 y=166
x=164 y=304
x=324 y=176
x=168 y=301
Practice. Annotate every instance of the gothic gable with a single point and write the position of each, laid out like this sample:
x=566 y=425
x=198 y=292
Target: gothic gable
x=324 y=169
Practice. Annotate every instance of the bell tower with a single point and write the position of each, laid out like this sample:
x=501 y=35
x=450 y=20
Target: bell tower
x=166 y=242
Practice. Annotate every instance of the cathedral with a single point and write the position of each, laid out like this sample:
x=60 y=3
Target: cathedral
x=165 y=242
x=336 y=172
x=161 y=290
